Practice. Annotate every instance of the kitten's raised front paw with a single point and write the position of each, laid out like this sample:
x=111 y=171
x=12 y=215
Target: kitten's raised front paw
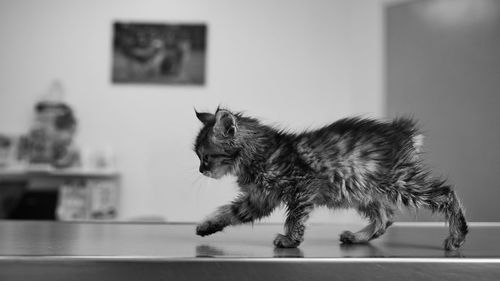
x=283 y=241
x=348 y=237
x=208 y=227
x=452 y=243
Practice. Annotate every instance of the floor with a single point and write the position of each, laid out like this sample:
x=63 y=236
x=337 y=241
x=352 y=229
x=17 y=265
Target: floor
x=166 y=251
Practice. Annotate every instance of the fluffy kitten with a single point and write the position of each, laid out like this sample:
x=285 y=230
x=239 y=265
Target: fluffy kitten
x=365 y=164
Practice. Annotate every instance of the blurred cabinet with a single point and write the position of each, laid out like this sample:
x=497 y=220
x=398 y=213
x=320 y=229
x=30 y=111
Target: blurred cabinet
x=68 y=194
x=443 y=68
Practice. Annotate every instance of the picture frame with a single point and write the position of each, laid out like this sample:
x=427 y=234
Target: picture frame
x=159 y=53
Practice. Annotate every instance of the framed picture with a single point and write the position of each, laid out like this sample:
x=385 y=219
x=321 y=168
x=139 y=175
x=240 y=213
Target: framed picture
x=158 y=53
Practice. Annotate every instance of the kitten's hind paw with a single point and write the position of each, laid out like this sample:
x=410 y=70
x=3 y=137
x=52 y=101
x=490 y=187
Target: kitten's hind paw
x=452 y=243
x=283 y=241
x=348 y=237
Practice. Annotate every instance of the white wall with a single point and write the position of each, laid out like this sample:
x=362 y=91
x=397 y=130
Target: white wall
x=295 y=63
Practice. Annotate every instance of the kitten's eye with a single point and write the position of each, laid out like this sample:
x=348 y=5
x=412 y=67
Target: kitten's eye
x=208 y=157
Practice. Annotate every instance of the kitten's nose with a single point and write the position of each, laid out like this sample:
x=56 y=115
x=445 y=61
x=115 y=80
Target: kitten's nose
x=203 y=168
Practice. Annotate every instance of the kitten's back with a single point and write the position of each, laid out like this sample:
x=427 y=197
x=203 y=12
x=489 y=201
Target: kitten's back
x=357 y=146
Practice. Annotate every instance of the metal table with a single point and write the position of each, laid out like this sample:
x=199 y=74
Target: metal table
x=31 y=250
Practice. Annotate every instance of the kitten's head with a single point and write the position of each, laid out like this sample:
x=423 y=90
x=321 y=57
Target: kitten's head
x=215 y=144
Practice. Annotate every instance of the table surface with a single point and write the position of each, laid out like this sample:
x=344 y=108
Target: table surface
x=137 y=241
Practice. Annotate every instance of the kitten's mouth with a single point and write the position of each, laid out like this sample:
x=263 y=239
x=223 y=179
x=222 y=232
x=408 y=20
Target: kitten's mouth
x=211 y=175
x=214 y=175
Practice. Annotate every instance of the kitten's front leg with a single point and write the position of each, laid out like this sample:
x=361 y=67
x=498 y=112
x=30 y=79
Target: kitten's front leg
x=294 y=226
x=245 y=208
x=215 y=222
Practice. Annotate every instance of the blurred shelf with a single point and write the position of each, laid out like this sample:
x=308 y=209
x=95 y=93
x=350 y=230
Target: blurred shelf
x=36 y=171
x=44 y=192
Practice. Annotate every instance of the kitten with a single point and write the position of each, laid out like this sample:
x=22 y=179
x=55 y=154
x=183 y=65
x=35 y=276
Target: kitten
x=365 y=164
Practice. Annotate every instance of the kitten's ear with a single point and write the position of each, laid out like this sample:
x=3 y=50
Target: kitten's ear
x=204 y=117
x=225 y=123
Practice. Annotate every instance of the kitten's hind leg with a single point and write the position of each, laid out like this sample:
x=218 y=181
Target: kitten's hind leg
x=457 y=223
x=388 y=219
x=362 y=236
x=380 y=220
x=445 y=199
x=440 y=197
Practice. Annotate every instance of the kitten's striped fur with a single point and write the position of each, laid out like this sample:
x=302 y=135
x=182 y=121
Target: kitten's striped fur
x=369 y=165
